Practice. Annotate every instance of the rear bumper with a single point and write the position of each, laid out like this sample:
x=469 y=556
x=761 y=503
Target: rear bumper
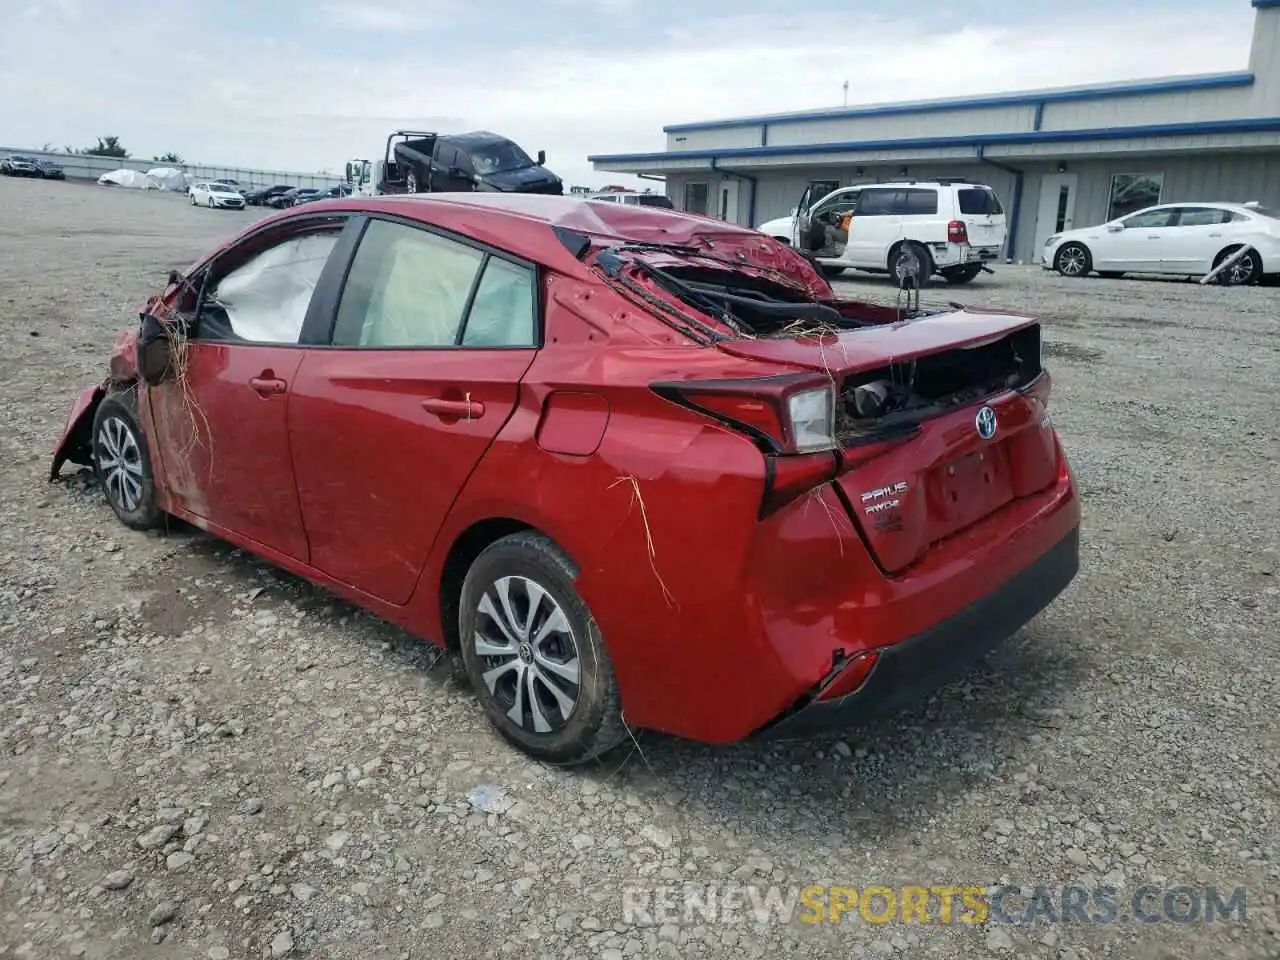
x=907 y=671
x=957 y=254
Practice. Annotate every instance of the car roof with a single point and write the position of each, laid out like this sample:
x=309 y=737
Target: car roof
x=523 y=223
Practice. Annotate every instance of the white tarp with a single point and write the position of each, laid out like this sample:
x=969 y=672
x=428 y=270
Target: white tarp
x=169 y=178
x=129 y=178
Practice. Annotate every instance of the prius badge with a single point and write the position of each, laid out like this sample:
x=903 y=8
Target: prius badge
x=986 y=423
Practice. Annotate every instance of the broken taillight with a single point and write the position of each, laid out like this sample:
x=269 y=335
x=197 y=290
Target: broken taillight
x=791 y=419
x=792 y=414
x=957 y=232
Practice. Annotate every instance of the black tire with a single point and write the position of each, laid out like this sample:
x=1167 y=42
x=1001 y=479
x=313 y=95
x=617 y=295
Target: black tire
x=900 y=262
x=961 y=275
x=830 y=272
x=118 y=438
x=1073 y=260
x=594 y=724
x=1246 y=271
x=1110 y=274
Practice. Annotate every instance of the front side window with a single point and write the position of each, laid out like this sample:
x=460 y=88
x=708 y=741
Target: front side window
x=1134 y=191
x=265 y=298
x=1151 y=218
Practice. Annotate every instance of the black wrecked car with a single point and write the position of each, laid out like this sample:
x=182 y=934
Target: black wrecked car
x=417 y=162
x=261 y=196
x=48 y=170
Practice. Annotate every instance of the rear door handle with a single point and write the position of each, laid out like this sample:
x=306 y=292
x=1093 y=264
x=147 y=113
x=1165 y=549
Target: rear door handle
x=466 y=409
x=268 y=385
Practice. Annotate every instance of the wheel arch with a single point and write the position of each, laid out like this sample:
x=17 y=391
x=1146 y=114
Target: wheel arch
x=464 y=550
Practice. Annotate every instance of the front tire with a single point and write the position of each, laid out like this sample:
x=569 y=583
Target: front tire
x=1073 y=260
x=535 y=655
x=122 y=461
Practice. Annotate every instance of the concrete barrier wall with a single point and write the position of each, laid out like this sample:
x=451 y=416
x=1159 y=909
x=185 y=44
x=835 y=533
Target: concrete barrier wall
x=90 y=168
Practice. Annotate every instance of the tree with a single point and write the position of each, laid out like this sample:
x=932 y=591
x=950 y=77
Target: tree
x=169 y=157
x=106 y=147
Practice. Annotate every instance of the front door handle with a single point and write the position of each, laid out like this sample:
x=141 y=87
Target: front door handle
x=267 y=386
x=467 y=409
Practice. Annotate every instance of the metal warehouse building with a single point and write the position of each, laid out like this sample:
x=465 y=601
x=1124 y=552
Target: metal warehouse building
x=1078 y=155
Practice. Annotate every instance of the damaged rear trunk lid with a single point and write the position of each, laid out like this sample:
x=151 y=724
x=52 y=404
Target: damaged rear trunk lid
x=940 y=415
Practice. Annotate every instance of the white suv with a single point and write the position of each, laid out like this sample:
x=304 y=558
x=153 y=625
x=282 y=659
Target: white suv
x=948 y=227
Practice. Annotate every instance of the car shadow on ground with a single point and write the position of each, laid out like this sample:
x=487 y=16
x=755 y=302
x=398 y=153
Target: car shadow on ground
x=883 y=778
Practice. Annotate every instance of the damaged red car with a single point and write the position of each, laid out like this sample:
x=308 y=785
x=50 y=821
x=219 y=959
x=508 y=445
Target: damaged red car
x=642 y=469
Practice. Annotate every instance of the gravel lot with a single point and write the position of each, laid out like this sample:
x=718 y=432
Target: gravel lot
x=206 y=758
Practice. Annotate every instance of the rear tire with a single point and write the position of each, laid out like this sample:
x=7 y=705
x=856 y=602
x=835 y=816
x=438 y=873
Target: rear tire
x=122 y=461
x=537 y=661
x=1243 y=273
x=961 y=275
x=1073 y=260
x=829 y=271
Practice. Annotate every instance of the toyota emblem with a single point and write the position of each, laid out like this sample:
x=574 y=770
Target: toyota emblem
x=986 y=423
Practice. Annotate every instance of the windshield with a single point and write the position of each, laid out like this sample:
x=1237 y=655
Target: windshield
x=221 y=188
x=499 y=157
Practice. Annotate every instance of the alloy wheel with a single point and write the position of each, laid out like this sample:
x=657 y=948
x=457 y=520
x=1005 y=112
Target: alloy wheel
x=1071 y=261
x=1241 y=271
x=529 y=652
x=120 y=463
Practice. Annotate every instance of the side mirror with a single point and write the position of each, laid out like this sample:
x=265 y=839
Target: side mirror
x=156 y=349
x=174 y=277
x=1115 y=226
x=542 y=157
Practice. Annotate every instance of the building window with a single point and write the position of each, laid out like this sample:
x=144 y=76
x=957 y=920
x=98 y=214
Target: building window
x=695 y=198
x=1134 y=191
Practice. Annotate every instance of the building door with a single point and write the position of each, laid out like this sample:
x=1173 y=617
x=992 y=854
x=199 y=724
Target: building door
x=728 y=207
x=695 y=198
x=1057 y=206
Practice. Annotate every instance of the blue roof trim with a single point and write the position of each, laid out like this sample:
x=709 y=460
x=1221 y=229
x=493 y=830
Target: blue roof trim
x=1251 y=125
x=1266 y=4
x=1208 y=81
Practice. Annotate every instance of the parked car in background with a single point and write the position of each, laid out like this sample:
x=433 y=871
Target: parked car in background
x=259 y=197
x=634 y=198
x=50 y=171
x=1181 y=239
x=19 y=166
x=567 y=439
x=290 y=197
x=325 y=193
x=951 y=228
x=212 y=193
x=423 y=162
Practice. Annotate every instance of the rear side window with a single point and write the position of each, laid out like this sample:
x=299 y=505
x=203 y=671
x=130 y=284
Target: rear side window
x=897 y=203
x=979 y=201
x=406 y=288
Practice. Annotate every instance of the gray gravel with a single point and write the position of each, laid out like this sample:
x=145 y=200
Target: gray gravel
x=204 y=753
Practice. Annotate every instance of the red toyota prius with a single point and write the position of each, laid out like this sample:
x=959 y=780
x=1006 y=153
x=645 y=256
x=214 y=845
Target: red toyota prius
x=641 y=468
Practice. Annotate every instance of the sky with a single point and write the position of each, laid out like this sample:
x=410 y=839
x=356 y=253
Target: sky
x=304 y=85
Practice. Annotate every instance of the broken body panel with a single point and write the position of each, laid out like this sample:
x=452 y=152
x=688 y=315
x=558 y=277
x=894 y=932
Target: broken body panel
x=672 y=347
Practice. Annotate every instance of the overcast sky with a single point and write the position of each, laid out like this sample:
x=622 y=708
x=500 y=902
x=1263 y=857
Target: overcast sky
x=303 y=86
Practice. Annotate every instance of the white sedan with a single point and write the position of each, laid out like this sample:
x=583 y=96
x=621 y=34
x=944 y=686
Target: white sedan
x=213 y=194
x=1182 y=239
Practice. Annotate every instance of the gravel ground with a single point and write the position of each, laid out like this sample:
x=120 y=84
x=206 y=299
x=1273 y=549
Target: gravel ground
x=206 y=758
